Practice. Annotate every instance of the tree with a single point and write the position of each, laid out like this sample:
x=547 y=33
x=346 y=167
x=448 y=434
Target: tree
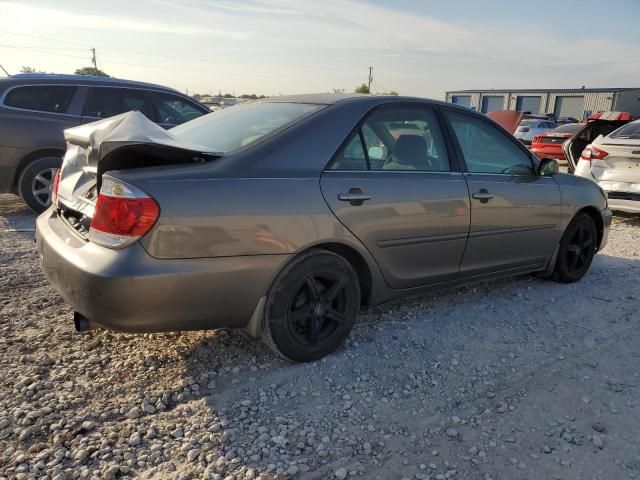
x=197 y=96
x=91 y=71
x=392 y=92
x=29 y=70
x=362 y=89
x=227 y=95
x=338 y=90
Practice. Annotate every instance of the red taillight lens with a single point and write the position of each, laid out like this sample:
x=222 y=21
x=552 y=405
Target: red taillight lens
x=592 y=153
x=54 y=187
x=122 y=214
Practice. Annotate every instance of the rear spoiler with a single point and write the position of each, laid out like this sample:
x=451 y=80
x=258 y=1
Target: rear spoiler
x=130 y=140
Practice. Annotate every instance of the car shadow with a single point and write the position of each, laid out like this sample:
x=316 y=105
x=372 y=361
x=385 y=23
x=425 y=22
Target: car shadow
x=247 y=389
x=16 y=216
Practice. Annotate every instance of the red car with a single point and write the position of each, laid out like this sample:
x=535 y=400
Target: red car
x=549 y=145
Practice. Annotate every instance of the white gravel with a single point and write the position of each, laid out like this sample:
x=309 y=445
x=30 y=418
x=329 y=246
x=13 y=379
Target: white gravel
x=518 y=379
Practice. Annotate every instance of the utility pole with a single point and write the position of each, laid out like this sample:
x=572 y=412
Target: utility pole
x=370 y=78
x=95 y=63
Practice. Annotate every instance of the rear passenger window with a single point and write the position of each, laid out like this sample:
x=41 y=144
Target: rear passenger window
x=173 y=110
x=104 y=102
x=42 y=98
x=487 y=149
x=400 y=138
x=351 y=156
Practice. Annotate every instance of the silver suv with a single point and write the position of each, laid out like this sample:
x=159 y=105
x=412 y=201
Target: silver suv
x=36 y=109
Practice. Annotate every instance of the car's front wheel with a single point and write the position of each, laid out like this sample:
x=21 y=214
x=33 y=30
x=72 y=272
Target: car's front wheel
x=577 y=248
x=311 y=306
x=36 y=181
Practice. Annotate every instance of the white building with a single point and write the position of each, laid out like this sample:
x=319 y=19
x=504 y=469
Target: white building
x=575 y=102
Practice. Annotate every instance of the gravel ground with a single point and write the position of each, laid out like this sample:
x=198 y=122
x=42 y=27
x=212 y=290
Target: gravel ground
x=518 y=379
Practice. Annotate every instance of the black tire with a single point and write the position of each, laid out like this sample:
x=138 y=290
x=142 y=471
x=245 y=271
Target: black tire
x=36 y=180
x=577 y=248
x=311 y=307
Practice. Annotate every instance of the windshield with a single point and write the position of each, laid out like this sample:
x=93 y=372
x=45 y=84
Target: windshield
x=630 y=130
x=235 y=127
x=568 y=128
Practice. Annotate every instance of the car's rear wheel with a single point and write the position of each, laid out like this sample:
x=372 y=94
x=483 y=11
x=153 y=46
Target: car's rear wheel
x=35 y=182
x=577 y=248
x=311 y=306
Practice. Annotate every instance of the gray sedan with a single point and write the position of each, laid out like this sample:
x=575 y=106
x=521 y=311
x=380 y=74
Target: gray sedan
x=287 y=216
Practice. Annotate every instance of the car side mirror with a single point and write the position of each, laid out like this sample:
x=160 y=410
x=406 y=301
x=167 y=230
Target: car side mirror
x=548 y=167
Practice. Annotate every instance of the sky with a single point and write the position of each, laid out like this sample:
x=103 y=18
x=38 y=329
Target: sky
x=272 y=47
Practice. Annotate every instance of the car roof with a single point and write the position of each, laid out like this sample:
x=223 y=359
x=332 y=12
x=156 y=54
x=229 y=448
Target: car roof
x=53 y=78
x=333 y=98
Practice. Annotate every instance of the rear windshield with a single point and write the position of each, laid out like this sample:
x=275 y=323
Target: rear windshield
x=630 y=130
x=235 y=127
x=568 y=128
x=528 y=123
x=43 y=98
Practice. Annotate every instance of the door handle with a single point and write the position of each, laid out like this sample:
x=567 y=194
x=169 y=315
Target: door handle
x=483 y=195
x=355 y=196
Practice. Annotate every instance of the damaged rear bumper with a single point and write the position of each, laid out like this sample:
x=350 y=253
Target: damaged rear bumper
x=127 y=290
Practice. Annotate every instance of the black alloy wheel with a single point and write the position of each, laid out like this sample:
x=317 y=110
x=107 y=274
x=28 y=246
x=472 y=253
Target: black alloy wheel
x=318 y=308
x=577 y=249
x=311 y=306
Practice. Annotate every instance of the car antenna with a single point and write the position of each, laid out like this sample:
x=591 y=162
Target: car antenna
x=5 y=71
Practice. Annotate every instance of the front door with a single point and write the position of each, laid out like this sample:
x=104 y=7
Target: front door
x=392 y=186
x=514 y=212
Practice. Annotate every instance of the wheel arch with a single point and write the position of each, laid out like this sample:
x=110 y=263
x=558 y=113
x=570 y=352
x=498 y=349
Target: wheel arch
x=597 y=219
x=357 y=262
x=30 y=157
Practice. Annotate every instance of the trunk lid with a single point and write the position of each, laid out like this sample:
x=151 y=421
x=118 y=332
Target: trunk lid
x=507 y=119
x=129 y=140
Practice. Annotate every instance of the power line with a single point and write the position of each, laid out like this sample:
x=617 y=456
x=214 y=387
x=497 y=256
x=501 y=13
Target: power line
x=164 y=67
x=137 y=52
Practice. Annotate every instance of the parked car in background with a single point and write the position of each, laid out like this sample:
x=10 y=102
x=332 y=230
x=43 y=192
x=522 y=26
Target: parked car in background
x=286 y=216
x=613 y=162
x=549 y=145
x=36 y=108
x=530 y=127
x=567 y=120
x=602 y=123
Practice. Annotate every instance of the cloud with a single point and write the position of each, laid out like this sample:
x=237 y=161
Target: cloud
x=31 y=18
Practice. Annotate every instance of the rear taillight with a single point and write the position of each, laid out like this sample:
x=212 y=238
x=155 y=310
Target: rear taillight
x=593 y=153
x=537 y=139
x=122 y=215
x=54 y=188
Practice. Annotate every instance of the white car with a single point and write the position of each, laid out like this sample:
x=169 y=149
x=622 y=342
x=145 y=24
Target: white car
x=613 y=162
x=530 y=127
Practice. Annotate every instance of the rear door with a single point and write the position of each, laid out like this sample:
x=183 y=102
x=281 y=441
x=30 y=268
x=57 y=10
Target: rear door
x=392 y=184
x=514 y=212
x=574 y=146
